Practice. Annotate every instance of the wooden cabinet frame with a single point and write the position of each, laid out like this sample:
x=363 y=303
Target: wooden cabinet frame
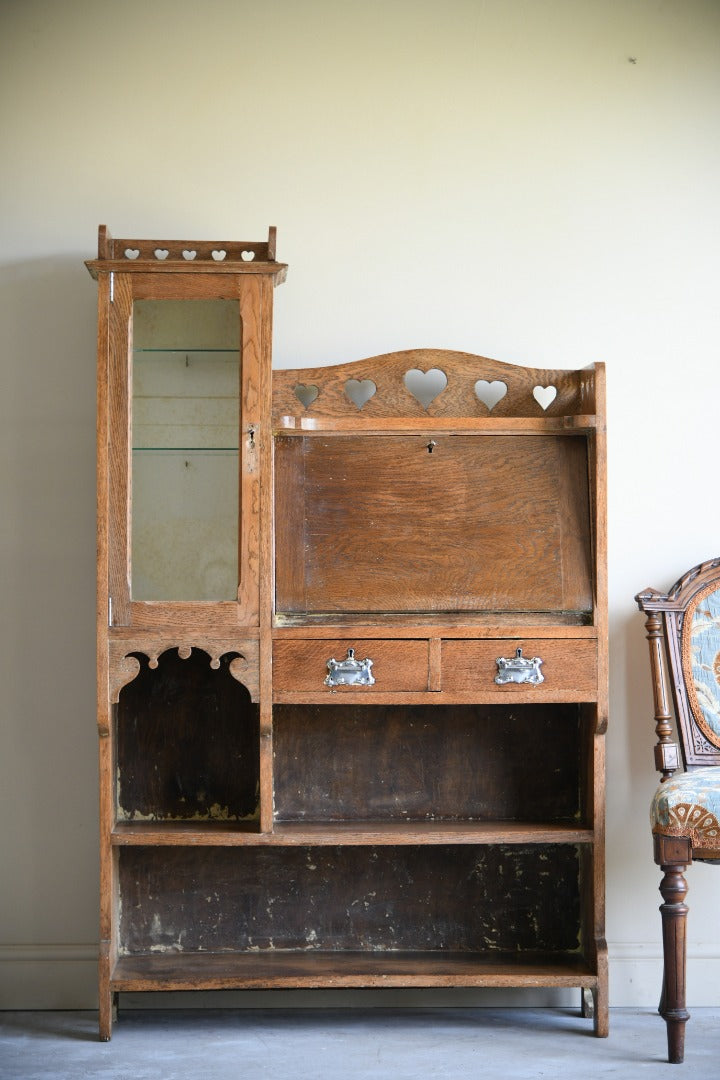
x=407 y=520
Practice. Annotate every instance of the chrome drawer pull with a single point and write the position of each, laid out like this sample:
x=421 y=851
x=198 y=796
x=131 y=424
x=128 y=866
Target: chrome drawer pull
x=517 y=669
x=349 y=672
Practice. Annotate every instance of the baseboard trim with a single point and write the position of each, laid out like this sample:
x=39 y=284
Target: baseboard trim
x=65 y=977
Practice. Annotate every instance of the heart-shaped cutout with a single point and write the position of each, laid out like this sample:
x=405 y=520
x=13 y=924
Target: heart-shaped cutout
x=306 y=394
x=247 y=256
x=219 y=255
x=545 y=395
x=360 y=392
x=490 y=392
x=131 y=253
x=161 y=253
x=189 y=255
x=425 y=385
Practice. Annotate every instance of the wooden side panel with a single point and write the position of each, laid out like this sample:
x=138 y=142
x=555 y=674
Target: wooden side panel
x=471 y=523
x=455 y=898
x=426 y=762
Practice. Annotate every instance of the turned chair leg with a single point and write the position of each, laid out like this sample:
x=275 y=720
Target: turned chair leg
x=673 y=888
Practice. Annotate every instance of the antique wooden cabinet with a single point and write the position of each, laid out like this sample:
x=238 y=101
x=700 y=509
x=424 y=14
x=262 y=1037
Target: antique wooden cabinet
x=352 y=652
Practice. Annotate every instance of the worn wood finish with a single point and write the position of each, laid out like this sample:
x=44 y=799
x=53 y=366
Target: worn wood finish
x=259 y=828
x=455 y=898
x=187 y=742
x=365 y=763
x=245 y=971
x=513 y=534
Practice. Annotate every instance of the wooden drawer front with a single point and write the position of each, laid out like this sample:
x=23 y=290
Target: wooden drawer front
x=300 y=666
x=569 y=666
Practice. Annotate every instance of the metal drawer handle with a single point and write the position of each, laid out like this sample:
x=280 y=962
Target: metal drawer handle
x=349 y=672
x=517 y=669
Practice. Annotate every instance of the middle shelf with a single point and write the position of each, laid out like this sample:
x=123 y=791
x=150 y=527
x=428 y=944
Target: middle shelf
x=345 y=833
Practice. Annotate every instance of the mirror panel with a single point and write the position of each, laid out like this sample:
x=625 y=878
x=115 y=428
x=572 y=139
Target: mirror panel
x=185 y=470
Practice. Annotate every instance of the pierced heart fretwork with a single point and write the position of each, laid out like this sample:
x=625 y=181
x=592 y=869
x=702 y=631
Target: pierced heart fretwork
x=189 y=255
x=218 y=255
x=545 y=395
x=161 y=253
x=425 y=386
x=490 y=392
x=247 y=256
x=306 y=394
x=360 y=392
x=131 y=253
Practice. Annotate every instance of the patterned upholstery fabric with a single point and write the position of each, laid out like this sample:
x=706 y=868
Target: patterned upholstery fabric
x=704 y=659
x=688 y=804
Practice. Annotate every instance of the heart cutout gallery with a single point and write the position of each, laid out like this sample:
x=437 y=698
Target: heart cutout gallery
x=359 y=391
x=490 y=392
x=306 y=394
x=425 y=386
x=545 y=395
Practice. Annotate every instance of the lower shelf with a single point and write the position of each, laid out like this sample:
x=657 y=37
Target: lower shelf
x=313 y=969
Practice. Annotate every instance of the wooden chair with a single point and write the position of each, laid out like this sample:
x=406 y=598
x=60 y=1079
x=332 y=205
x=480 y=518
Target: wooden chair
x=683 y=630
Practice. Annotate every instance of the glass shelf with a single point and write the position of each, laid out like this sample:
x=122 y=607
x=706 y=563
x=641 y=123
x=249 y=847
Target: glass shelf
x=186 y=449
x=179 y=351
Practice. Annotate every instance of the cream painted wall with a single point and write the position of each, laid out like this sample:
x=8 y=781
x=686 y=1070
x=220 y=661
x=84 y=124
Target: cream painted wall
x=493 y=176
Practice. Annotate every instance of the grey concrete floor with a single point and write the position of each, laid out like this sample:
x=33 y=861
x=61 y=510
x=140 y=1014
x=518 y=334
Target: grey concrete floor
x=349 y=1044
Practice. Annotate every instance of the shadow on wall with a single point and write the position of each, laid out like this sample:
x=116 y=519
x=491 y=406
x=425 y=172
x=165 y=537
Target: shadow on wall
x=47 y=314
x=47 y=540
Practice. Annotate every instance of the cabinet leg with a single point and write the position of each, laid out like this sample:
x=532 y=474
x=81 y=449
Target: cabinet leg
x=673 y=888
x=587 y=1004
x=601 y=1014
x=107 y=1003
x=106 y=1014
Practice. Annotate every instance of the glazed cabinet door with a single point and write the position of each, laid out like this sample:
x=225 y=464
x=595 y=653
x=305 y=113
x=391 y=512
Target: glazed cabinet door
x=184 y=405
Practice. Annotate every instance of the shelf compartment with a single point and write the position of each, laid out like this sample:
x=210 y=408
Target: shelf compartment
x=291 y=969
x=187 y=743
x=257 y=899
x=428 y=764
x=316 y=834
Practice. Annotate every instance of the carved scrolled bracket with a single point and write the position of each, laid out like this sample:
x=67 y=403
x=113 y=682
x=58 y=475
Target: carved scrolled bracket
x=243 y=671
x=124 y=667
x=122 y=672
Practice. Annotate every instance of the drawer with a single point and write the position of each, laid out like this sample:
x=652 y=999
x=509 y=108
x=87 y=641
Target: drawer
x=397 y=665
x=569 y=666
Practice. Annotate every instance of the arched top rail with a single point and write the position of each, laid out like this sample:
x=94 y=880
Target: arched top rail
x=442 y=383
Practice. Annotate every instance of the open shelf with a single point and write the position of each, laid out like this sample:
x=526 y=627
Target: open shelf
x=214 y=971
x=427 y=764
x=307 y=833
x=454 y=897
x=187 y=744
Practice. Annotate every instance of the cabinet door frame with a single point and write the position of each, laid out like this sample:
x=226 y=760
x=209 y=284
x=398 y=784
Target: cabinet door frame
x=251 y=294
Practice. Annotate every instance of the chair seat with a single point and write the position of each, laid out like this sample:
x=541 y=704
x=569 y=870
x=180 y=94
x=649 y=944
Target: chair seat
x=688 y=804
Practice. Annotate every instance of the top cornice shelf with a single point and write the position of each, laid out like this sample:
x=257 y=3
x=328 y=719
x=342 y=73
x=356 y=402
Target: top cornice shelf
x=186 y=256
